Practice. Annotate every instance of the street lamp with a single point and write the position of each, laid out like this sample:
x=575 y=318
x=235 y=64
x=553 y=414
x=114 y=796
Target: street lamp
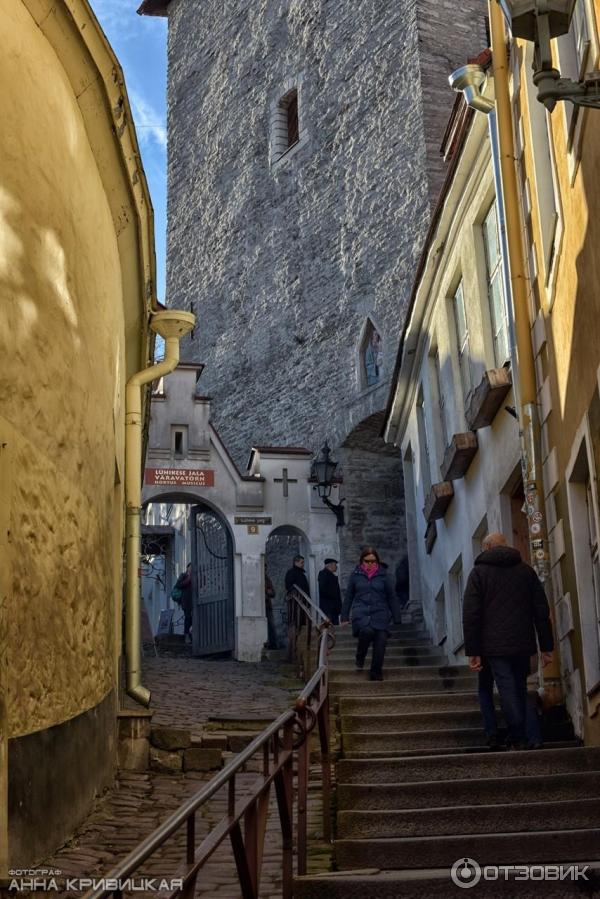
x=540 y=21
x=323 y=471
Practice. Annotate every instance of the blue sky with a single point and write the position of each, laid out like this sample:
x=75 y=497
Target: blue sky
x=140 y=43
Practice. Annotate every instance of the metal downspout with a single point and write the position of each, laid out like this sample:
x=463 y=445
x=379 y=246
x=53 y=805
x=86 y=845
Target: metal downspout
x=172 y=325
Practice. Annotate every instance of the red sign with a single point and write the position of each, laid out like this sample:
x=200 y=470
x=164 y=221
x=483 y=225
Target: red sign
x=180 y=477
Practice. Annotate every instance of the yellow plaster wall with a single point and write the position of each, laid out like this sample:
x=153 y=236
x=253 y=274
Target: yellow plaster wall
x=61 y=382
x=572 y=310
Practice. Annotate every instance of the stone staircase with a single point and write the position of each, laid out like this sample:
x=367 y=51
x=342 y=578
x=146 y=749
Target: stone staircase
x=418 y=791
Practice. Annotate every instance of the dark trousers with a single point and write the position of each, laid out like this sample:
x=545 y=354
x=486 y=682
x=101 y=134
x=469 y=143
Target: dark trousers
x=367 y=636
x=187 y=621
x=510 y=675
x=486 y=704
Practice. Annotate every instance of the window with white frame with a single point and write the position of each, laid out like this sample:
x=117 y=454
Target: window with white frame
x=424 y=456
x=493 y=259
x=438 y=399
x=456 y=600
x=584 y=531
x=574 y=49
x=548 y=201
x=462 y=339
x=594 y=557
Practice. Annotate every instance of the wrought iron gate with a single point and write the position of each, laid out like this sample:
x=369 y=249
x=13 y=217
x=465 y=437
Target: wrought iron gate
x=213 y=622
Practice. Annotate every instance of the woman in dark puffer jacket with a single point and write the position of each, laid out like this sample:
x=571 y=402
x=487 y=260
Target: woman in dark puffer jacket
x=374 y=604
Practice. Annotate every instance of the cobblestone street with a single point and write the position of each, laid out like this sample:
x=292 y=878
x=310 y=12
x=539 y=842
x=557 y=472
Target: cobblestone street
x=185 y=692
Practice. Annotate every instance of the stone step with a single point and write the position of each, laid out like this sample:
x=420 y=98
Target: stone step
x=416 y=683
x=349 y=652
x=550 y=846
x=345 y=637
x=393 y=660
x=423 y=740
x=449 y=750
x=544 y=762
x=470 y=819
x=399 y=704
x=391 y=742
x=411 y=671
x=436 y=883
x=415 y=721
x=481 y=791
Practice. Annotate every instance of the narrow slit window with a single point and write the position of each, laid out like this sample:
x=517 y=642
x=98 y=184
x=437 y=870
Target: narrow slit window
x=293 y=131
x=179 y=443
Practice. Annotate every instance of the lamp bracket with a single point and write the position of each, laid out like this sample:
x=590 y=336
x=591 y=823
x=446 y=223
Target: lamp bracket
x=551 y=88
x=338 y=510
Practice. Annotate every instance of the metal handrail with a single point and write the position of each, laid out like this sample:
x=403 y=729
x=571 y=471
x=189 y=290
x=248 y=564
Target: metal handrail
x=304 y=599
x=284 y=739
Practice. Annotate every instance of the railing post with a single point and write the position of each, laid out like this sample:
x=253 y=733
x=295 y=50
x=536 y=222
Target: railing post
x=284 y=789
x=303 y=760
x=324 y=736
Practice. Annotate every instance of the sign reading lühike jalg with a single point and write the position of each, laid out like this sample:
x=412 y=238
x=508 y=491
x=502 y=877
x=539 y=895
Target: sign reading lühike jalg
x=180 y=477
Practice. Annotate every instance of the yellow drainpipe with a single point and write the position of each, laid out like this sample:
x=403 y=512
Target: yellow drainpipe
x=528 y=415
x=172 y=325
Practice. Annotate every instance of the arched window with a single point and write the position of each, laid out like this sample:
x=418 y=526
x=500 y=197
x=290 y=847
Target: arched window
x=371 y=356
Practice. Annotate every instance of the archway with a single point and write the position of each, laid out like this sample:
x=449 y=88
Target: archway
x=374 y=492
x=178 y=528
x=283 y=544
x=213 y=625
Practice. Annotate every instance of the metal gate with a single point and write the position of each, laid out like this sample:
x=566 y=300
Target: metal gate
x=213 y=621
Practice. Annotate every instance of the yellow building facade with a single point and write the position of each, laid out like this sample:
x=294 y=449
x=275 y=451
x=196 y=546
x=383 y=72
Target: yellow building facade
x=558 y=164
x=77 y=287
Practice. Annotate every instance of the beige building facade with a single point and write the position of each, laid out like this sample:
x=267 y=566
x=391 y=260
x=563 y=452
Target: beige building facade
x=77 y=286
x=450 y=408
x=558 y=163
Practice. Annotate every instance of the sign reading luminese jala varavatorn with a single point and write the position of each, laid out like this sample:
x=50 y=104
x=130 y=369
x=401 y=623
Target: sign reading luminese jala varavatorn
x=180 y=477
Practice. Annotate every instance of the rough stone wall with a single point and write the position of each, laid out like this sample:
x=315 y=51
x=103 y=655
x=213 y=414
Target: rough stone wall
x=448 y=37
x=284 y=266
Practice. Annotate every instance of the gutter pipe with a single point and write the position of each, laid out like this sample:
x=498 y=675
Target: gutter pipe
x=172 y=325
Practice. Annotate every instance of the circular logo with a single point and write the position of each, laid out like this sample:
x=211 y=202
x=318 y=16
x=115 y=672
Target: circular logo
x=465 y=873
x=536 y=528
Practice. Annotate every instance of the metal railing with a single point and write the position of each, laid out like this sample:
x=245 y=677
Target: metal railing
x=281 y=743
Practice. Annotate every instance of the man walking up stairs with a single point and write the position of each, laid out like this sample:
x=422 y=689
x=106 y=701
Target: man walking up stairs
x=424 y=809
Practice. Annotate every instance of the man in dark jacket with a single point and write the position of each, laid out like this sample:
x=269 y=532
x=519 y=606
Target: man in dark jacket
x=504 y=607
x=330 y=595
x=296 y=576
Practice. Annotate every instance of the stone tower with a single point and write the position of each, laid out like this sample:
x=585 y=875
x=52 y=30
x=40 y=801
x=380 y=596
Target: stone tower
x=303 y=168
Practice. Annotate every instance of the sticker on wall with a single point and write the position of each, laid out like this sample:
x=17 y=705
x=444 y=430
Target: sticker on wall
x=537 y=516
x=536 y=528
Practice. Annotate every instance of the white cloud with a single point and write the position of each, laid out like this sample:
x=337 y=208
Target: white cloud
x=149 y=124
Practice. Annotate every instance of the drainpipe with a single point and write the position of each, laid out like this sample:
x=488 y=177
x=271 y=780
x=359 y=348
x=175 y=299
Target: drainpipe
x=172 y=325
x=470 y=80
x=525 y=387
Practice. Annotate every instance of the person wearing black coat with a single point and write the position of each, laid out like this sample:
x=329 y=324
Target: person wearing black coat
x=184 y=583
x=373 y=604
x=504 y=608
x=295 y=576
x=330 y=595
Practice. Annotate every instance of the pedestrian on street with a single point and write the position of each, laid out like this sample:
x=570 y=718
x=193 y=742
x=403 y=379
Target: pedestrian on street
x=372 y=602
x=504 y=607
x=184 y=583
x=296 y=576
x=330 y=595
x=485 y=689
